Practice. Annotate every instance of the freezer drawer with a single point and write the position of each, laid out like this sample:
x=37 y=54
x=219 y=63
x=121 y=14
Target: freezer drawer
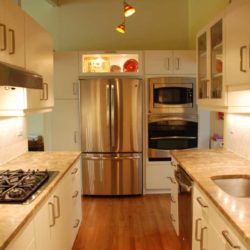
x=106 y=174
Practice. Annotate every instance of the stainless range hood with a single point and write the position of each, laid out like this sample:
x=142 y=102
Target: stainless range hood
x=18 y=77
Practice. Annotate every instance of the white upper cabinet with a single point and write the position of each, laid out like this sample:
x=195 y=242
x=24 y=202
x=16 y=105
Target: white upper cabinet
x=168 y=62
x=12 y=33
x=39 y=59
x=237 y=21
x=66 y=75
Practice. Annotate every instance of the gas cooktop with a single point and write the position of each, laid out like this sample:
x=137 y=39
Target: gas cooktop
x=17 y=186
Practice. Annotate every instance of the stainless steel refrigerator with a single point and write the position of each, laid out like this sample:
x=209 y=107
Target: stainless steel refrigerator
x=111 y=135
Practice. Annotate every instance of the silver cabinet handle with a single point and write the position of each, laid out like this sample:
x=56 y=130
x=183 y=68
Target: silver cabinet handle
x=196 y=228
x=171 y=179
x=57 y=198
x=50 y=204
x=76 y=224
x=167 y=63
x=75 y=194
x=241 y=58
x=201 y=202
x=172 y=199
x=178 y=63
x=45 y=92
x=13 y=47
x=202 y=238
x=4 y=37
x=226 y=235
x=74 y=171
x=172 y=218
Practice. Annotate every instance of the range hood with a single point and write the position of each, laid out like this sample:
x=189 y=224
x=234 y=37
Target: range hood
x=18 y=77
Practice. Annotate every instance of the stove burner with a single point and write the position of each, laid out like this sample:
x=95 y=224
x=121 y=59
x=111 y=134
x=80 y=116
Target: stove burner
x=18 y=185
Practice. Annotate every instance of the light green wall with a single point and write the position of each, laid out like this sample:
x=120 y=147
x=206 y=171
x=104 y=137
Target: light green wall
x=90 y=24
x=200 y=13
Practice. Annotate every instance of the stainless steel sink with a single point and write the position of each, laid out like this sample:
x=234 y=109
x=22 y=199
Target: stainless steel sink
x=238 y=186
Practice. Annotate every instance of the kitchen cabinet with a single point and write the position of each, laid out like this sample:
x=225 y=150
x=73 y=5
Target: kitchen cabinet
x=211 y=230
x=157 y=176
x=174 y=212
x=111 y=63
x=66 y=75
x=55 y=223
x=211 y=90
x=65 y=125
x=39 y=58
x=237 y=42
x=168 y=62
x=12 y=34
x=25 y=239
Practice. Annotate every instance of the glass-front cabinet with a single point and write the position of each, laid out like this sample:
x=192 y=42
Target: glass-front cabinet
x=210 y=81
x=110 y=63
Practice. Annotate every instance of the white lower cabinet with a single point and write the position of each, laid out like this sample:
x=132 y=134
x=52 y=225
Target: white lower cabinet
x=174 y=212
x=157 y=176
x=210 y=228
x=57 y=222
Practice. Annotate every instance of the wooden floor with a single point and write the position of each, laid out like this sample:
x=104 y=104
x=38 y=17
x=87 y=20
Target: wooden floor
x=127 y=223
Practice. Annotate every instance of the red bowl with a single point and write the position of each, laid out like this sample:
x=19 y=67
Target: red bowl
x=130 y=65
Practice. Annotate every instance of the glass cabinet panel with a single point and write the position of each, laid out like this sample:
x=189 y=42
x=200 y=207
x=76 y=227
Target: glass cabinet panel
x=202 y=67
x=216 y=60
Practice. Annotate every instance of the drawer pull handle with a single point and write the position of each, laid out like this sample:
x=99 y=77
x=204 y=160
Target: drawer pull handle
x=77 y=223
x=196 y=229
x=4 y=37
x=241 y=58
x=13 y=42
x=75 y=194
x=74 y=171
x=53 y=214
x=172 y=218
x=202 y=238
x=226 y=235
x=171 y=179
x=57 y=206
x=201 y=202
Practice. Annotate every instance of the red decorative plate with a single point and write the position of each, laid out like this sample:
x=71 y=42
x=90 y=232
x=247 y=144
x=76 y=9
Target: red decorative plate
x=130 y=65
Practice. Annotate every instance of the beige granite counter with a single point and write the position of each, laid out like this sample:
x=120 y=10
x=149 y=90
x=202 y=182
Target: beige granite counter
x=201 y=165
x=12 y=216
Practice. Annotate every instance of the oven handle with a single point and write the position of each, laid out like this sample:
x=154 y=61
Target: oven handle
x=182 y=184
x=173 y=137
x=154 y=119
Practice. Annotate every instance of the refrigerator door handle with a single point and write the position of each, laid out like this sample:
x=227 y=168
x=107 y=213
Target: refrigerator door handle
x=108 y=107
x=109 y=158
x=112 y=115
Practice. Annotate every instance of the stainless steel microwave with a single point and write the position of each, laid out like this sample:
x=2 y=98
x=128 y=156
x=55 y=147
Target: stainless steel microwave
x=172 y=95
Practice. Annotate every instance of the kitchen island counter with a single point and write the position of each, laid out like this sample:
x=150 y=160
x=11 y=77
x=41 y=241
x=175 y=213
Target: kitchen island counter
x=201 y=165
x=14 y=216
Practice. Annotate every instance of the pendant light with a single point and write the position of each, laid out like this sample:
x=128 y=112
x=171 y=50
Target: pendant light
x=128 y=10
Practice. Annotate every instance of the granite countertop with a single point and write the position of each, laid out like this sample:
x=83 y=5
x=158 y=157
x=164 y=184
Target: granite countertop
x=14 y=216
x=201 y=165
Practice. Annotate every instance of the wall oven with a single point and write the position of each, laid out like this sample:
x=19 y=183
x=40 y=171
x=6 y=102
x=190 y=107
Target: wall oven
x=168 y=132
x=172 y=95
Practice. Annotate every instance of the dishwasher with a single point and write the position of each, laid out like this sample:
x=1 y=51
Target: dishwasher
x=185 y=208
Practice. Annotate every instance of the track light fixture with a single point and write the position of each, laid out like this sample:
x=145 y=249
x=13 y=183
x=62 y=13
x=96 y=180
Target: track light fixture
x=128 y=10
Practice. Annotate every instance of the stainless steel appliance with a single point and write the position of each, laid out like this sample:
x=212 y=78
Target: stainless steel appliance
x=184 y=208
x=168 y=131
x=111 y=135
x=172 y=95
x=18 y=186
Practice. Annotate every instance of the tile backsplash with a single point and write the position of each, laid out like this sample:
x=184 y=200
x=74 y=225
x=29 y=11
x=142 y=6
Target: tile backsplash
x=238 y=134
x=13 y=138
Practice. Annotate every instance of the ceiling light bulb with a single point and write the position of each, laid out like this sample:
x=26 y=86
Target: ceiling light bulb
x=128 y=10
x=121 y=28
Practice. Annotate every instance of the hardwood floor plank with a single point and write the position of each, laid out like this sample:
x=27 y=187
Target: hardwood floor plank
x=127 y=223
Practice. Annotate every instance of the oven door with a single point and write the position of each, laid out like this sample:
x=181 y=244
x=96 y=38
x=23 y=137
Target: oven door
x=168 y=133
x=168 y=93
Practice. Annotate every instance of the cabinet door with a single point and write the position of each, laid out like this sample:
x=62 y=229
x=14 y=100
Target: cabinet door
x=65 y=126
x=66 y=75
x=184 y=62
x=158 y=62
x=39 y=58
x=237 y=42
x=157 y=176
x=14 y=21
